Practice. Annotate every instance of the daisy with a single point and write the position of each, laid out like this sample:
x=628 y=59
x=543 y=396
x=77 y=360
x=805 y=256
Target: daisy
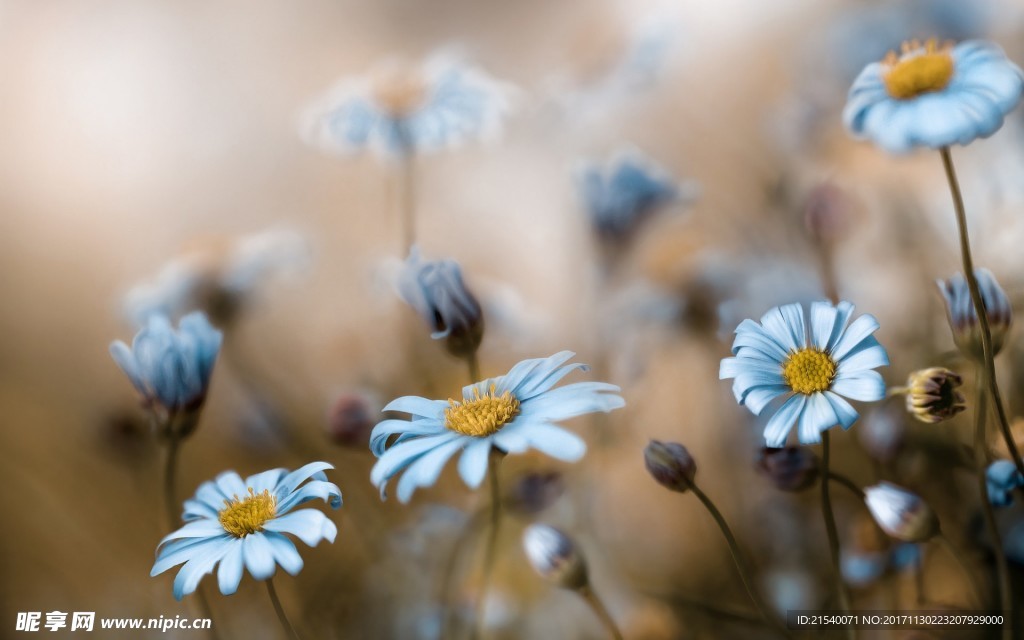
x=511 y=413
x=398 y=109
x=933 y=95
x=815 y=364
x=241 y=525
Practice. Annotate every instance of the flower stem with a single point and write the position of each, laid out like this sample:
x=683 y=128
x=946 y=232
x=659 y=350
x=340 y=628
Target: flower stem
x=407 y=199
x=737 y=558
x=461 y=543
x=491 y=545
x=170 y=473
x=971 y=578
x=474 y=367
x=1005 y=594
x=840 y=479
x=289 y=630
x=832 y=531
x=600 y=611
x=979 y=307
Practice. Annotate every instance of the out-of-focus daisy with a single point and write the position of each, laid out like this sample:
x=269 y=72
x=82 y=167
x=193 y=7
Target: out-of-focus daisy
x=1003 y=478
x=241 y=525
x=933 y=95
x=219 y=275
x=623 y=193
x=964 y=320
x=171 y=368
x=815 y=362
x=511 y=413
x=400 y=109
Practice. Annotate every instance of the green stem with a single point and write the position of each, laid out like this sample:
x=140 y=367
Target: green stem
x=832 y=531
x=988 y=353
x=737 y=558
x=976 y=591
x=600 y=611
x=1005 y=594
x=491 y=548
x=289 y=630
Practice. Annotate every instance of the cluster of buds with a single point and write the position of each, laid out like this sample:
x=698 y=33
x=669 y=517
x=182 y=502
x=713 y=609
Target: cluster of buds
x=964 y=320
x=932 y=395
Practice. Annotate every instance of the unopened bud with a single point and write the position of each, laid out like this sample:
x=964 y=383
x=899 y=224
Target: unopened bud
x=932 y=395
x=534 y=492
x=555 y=557
x=670 y=464
x=900 y=513
x=351 y=419
x=964 y=321
x=789 y=469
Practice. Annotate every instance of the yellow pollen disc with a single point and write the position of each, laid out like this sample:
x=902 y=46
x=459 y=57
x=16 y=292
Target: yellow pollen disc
x=243 y=516
x=809 y=371
x=399 y=90
x=483 y=415
x=920 y=69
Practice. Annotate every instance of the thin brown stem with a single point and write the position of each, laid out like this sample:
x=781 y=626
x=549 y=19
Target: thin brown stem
x=289 y=630
x=737 y=557
x=491 y=545
x=842 y=480
x=407 y=199
x=988 y=353
x=833 y=531
x=976 y=590
x=600 y=611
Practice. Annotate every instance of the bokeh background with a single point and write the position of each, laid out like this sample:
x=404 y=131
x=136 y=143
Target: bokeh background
x=135 y=133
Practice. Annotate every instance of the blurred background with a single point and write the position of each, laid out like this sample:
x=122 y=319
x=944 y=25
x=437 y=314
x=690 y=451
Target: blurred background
x=141 y=134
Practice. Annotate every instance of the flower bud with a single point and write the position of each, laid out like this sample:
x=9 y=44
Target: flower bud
x=932 y=395
x=670 y=464
x=534 y=492
x=901 y=514
x=555 y=557
x=790 y=468
x=1002 y=478
x=963 y=319
x=435 y=289
x=351 y=419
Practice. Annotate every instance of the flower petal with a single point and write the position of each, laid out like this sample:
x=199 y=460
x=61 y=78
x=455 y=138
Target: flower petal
x=230 y=573
x=778 y=426
x=473 y=462
x=258 y=555
x=309 y=525
x=866 y=386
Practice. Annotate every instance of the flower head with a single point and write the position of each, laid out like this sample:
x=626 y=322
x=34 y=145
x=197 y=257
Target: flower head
x=670 y=464
x=900 y=513
x=933 y=95
x=554 y=556
x=511 y=413
x=402 y=109
x=241 y=524
x=1003 y=478
x=932 y=395
x=435 y=289
x=816 y=364
x=963 y=319
x=171 y=368
x=620 y=196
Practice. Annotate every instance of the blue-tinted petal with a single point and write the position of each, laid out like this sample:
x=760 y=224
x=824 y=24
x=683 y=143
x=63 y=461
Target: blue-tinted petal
x=818 y=416
x=473 y=462
x=258 y=556
x=426 y=469
x=778 y=426
x=309 y=525
x=866 y=386
x=229 y=575
x=285 y=553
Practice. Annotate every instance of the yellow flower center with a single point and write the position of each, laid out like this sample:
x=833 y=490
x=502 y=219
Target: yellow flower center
x=920 y=69
x=243 y=516
x=399 y=90
x=809 y=371
x=484 y=415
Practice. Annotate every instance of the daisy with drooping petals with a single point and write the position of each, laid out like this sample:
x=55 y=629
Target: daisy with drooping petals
x=241 y=525
x=933 y=95
x=511 y=413
x=815 y=362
